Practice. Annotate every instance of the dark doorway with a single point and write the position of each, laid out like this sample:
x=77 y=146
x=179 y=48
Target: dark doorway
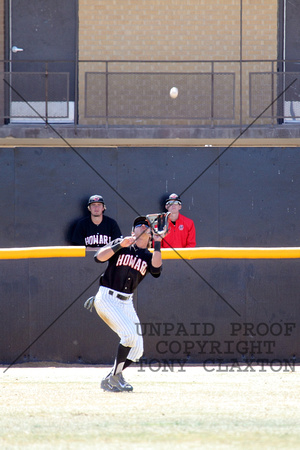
x=43 y=52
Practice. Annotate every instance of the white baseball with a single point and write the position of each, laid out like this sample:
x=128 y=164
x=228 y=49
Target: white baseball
x=174 y=92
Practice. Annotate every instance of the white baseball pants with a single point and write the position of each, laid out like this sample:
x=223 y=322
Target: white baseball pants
x=121 y=317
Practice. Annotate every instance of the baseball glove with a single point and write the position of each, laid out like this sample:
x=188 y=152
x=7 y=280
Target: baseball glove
x=159 y=223
x=89 y=304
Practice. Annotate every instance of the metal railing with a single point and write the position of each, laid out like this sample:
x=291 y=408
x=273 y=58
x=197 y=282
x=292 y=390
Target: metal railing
x=132 y=93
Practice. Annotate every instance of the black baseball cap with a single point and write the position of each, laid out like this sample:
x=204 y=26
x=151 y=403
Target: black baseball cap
x=173 y=198
x=95 y=199
x=141 y=220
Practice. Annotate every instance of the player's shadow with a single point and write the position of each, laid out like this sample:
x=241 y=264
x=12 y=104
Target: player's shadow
x=162 y=202
x=71 y=225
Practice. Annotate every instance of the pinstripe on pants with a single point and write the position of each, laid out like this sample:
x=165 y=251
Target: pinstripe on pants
x=122 y=318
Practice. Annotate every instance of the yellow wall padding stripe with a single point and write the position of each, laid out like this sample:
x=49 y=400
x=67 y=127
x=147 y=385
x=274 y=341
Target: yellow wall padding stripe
x=42 y=252
x=231 y=253
x=167 y=253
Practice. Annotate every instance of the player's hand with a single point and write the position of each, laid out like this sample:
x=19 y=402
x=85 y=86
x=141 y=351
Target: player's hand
x=157 y=237
x=127 y=241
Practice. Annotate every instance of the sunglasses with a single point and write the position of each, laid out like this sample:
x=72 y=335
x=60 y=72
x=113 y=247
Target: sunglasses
x=140 y=224
x=173 y=202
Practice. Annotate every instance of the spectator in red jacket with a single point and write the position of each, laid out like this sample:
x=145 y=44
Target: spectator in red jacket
x=182 y=229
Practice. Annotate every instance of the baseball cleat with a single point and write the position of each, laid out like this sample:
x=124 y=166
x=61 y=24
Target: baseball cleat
x=118 y=382
x=106 y=386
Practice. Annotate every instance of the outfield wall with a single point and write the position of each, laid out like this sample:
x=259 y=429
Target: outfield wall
x=197 y=310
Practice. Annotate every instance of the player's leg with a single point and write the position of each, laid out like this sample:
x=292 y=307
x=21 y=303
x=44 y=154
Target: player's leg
x=123 y=360
x=137 y=350
x=114 y=313
x=121 y=357
x=117 y=379
x=120 y=316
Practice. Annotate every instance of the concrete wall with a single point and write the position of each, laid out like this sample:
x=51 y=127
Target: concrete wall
x=247 y=198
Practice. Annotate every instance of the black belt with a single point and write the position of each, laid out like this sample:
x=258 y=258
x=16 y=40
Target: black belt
x=121 y=297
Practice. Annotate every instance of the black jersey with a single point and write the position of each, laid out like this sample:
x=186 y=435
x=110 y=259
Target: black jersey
x=91 y=235
x=127 y=268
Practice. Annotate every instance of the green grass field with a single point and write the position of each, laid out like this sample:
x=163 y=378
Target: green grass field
x=62 y=407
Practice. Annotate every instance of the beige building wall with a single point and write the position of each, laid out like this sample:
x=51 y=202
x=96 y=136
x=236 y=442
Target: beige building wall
x=159 y=30
x=168 y=30
x=177 y=29
x=260 y=28
x=193 y=30
x=260 y=42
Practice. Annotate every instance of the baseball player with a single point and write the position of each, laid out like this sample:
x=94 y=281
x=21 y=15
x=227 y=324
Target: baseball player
x=129 y=261
x=97 y=229
x=182 y=232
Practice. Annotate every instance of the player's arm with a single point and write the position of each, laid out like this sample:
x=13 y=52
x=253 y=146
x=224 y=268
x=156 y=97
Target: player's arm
x=106 y=252
x=156 y=256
